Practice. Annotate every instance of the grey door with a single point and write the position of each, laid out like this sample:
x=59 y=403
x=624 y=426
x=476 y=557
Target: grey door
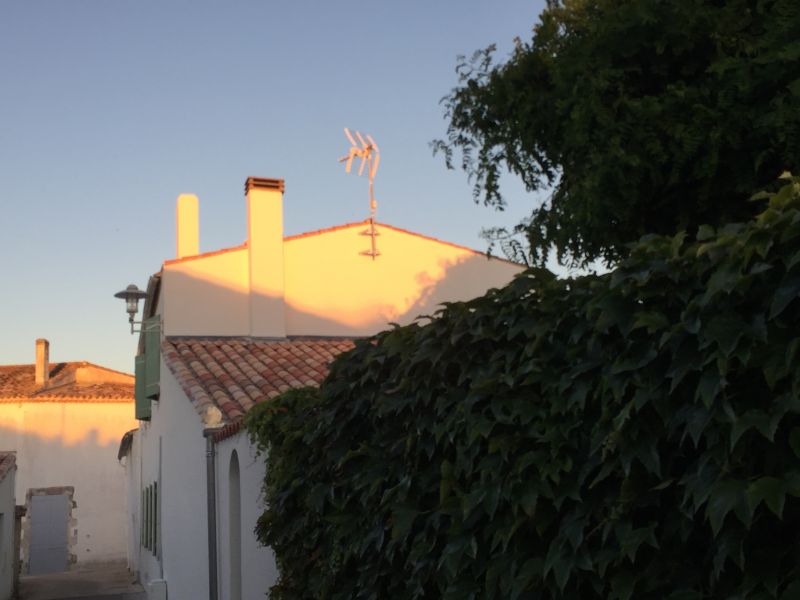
x=48 y=547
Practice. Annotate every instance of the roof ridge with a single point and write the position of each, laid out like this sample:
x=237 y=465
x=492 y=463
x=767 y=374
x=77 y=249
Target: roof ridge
x=316 y=232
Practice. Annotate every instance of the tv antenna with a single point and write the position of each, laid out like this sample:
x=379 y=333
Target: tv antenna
x=367 y=151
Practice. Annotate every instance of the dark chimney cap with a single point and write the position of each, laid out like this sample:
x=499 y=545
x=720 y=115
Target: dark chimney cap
x=262 y=183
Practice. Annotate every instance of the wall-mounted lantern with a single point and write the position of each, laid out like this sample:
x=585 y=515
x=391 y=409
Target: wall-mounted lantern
x=131 y=295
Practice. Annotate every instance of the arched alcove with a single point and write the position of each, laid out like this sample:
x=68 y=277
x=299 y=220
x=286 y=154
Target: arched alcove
x=235 y=527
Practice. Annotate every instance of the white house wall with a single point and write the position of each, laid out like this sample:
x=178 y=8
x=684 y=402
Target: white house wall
x=212 y=290
x=258 y=568
x=176 y=429
x=7 y=503
x=65 y=444
x=133 y=478
x=330 y=287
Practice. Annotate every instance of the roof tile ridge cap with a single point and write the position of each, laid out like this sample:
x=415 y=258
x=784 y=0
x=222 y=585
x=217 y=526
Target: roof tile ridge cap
x=91 y=364
x=331 y=229
x=210 y=253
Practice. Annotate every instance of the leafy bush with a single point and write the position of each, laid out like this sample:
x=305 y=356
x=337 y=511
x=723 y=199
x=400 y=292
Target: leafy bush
x=632 y=435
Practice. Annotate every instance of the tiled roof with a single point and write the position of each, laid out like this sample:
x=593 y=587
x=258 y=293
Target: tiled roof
x=231 y=375
x=17 y=384
x=7 y=462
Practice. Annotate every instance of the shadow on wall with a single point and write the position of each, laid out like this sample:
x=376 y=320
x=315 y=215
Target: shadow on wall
x=358 y=306
x=43 y=461
x=87 y=470
x=99 y=425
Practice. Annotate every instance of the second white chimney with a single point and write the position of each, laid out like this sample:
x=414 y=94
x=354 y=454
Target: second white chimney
x=265 y=256
x=187 y=226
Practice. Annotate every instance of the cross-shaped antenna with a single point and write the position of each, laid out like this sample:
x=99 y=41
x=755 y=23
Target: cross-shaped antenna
x=367 y=151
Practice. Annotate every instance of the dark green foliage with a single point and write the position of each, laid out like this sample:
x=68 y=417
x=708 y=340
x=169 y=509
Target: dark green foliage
x=648 y=116
x=631 y=435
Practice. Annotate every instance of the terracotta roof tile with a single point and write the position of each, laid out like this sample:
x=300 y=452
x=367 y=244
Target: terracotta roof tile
x=66 y=384
x=235 y=374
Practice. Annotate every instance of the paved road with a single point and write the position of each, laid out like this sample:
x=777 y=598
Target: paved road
x=96 y=581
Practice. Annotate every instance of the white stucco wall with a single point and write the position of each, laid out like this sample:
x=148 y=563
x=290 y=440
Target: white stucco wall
x=7 y=503
x=212 y=290
x=330 y=287
x=258 y=568
x=67 y=444
x=133 y=471
x=175 y=427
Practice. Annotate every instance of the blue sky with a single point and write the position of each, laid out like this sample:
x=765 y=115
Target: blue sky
x=110 y=109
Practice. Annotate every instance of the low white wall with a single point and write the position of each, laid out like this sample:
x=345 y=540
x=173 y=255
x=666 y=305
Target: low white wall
x=258 y=568
x=7 y=503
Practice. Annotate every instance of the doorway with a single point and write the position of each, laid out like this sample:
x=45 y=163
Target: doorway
x=49 y=513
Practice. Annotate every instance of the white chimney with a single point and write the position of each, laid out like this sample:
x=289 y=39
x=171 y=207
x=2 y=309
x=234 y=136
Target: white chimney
x=187 y=225
x=265 y=255
x=42 y=362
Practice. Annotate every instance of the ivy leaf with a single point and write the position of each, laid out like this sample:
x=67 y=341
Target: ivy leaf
x=787 y=291
x=652 y=320
x=402 y=519
x=685 y=595
x=794 y=441
x=792 y=592
x=726 y=331
x=769 y=489
x=705 y=232
x=725 y=496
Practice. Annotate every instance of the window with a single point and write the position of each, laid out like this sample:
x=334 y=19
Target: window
x=150 y=524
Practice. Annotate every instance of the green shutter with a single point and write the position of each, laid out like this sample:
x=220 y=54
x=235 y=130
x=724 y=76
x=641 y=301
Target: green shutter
x=152 y=355
x=142 y=401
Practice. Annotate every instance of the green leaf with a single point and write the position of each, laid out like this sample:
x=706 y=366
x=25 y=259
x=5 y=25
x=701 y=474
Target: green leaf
x=792 y=591
x=794 y=441
x=787 y=291
x=685 y=595
x=402 y=521
x=622 y=586
x=769 y=489
x=725 y=496
x=705 y=232
x=652 y=320
x=726 y=331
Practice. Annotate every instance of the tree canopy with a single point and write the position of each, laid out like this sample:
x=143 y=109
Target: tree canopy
x=642 y=116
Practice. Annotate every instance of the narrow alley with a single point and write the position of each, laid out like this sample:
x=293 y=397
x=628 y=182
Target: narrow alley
x=98 y=581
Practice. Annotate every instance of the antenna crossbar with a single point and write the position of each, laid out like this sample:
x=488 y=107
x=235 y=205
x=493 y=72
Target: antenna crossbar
x=367 y=150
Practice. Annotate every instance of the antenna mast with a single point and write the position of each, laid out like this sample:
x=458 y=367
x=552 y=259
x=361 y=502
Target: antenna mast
x=367 y=151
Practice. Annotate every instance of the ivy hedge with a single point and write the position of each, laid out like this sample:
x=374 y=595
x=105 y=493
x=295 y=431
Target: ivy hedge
x=631 y=435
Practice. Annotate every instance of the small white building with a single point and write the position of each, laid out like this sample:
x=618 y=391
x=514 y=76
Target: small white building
x=226 y=330
x=64 y=420
x=8 y=503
